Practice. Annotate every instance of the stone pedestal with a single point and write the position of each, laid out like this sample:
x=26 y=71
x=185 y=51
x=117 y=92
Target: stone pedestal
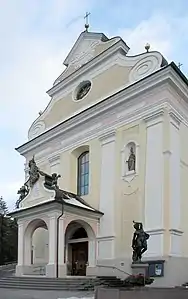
x=139 y=269
x=19 y=270
x=62 y=270
x=51 y=270
x=91 y=271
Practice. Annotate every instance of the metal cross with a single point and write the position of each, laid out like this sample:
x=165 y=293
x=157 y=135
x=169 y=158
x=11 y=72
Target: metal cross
x=179 y=65
x=87 y=20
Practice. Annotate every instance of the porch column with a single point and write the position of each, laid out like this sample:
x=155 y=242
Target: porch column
x=52 y=227
x=20 y=264
x=62 y=268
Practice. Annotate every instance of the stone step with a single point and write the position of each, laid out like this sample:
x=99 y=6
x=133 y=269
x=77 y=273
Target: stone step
x=46 y=280
x=45 y=288
x=44 y=283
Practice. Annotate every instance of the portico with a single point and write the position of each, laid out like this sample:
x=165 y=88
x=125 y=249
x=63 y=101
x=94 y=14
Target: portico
x=71 y=225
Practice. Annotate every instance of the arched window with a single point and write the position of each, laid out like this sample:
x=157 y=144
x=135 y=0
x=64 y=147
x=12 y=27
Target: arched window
x=83 y=174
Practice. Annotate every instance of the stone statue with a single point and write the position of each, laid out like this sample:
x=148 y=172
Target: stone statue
x=23 y=191
x=139 y=242
x=131 y=160
x=55 y=178
x=33 y=172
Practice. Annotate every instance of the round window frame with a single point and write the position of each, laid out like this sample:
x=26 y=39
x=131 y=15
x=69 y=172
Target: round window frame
x=78 y=88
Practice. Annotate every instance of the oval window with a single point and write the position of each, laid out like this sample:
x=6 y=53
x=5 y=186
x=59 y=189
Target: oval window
x=82 y=90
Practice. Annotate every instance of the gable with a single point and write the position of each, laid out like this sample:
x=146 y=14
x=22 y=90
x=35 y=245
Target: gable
x=106 y=79
x=88 y=46
x=101 y=62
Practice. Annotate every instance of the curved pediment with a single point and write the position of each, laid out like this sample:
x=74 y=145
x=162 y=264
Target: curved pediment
x=109 y=70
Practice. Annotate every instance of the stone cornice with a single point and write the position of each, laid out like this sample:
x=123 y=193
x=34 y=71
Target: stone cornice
x=105 y=107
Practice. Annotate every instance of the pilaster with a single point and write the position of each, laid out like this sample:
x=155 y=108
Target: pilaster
x=154 y=183
x=175 y=232
x=107 y=228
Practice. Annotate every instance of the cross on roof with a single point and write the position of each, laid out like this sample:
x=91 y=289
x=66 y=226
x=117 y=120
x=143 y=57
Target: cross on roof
x=87 y=20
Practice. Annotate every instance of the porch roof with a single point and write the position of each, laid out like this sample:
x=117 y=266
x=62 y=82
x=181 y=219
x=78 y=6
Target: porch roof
x=62 y=197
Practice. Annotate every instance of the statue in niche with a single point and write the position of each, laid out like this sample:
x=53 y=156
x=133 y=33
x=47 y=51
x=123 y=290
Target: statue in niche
x=33 y=172
x=139 y=242
x=131 y=160
x=23 y=191
x=55 y=178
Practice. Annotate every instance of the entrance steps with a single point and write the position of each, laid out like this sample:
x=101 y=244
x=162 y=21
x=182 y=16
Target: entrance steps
x=68 y=283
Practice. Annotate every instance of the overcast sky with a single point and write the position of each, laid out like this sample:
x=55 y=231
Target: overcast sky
x=36 y=37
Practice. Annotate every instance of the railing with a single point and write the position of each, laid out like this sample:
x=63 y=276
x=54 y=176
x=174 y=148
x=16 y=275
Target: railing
x=114 y=268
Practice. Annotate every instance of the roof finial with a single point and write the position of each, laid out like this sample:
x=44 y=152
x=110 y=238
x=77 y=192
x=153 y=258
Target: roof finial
x=147 y=47
x=87 y=21
x=179 y=65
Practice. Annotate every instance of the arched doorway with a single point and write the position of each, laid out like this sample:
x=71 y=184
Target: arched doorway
x=36 y=244
x=77 y=237
x=40 y=246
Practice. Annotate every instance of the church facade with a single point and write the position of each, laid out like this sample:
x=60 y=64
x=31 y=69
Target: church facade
x=109 y=149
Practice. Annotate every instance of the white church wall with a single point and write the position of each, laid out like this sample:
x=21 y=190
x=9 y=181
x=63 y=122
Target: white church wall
x=154 y=181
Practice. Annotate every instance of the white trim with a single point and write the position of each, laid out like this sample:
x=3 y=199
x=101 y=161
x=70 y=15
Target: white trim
x=97 y=61
x=75 y=91
x=89 y=118
x=176 y=232
x=53 y=159
x=99 y=65
x=107 y=138
x=154 y=118
x=174 y=119
x=155 y=231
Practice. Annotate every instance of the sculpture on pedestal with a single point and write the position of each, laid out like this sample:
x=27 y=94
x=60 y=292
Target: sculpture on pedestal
x=55 y=178
x=131 y=160
x=23 y=192
x=139 y=242
x=33 y=172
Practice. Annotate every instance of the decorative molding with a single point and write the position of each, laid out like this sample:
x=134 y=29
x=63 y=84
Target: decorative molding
x=106 y=56
x=174 y=119
x=87 y=119
x=155 y=231
x=107 y=138
x=75 y=91
x=145 y=66
x=55 y=159
x=154 y=118
x=36 y=129
x=105 y=237
x=176 y=232
x=166 y=74
x=101 y=65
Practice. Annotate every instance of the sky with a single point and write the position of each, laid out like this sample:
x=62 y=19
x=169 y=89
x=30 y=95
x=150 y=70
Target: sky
x=37 y=35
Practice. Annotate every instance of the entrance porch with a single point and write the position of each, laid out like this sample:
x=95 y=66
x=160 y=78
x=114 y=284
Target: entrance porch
x=56 y=233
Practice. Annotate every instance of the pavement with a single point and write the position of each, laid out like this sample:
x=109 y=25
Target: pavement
x=31 y=294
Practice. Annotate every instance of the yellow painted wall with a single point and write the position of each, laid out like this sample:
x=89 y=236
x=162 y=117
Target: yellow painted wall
x=115 y=77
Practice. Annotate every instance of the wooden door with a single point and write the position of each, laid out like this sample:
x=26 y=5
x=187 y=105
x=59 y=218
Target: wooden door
x=79 y=258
